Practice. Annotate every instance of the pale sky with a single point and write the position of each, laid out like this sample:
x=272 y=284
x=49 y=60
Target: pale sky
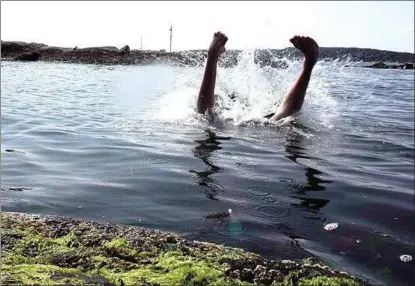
x=378 y=25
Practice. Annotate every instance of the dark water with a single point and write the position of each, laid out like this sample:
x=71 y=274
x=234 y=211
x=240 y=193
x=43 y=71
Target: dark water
x=123 y=144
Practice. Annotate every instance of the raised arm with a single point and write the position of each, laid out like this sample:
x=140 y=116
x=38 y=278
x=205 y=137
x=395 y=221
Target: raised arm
x=206 y=99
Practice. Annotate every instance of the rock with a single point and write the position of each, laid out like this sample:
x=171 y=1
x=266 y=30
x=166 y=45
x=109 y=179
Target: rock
x=125 y=50
x=29 y=57
x=17 y=48
x=259 y=270
x=279 y=65
x=76 y=47
x=379 y=66
x=247 y=275
x=220 y=215
x=409 y=66
x=110 y=48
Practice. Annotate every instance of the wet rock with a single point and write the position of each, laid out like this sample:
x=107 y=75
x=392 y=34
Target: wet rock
x=259 y=270
x=28 y=57
x=247 y=275
x=171 y=239
x=125 y=50
x=409 y=66
x=86 y=249
x=378 y=66
x=219 y=215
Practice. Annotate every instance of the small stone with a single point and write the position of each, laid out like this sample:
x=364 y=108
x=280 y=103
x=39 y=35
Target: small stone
x=287 y=262
x=405 y=258
x=331 y=226
x=259 y=269
x=358 y=241
x=247 y=275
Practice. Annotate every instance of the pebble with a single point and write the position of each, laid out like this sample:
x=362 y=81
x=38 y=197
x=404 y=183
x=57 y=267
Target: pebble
x=331 y=226
x=406 y=258
x=259 y=269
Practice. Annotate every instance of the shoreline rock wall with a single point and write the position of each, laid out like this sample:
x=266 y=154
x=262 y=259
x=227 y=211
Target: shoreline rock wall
x=52 y=250
x=125 y=56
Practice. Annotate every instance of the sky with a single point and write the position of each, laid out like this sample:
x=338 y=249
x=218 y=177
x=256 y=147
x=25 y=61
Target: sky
x=269 y=24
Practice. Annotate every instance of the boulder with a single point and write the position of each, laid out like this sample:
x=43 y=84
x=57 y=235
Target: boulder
x=379 y=66
x=17 y=48
x=29 y=57
x=124 y=50
x=409 y=66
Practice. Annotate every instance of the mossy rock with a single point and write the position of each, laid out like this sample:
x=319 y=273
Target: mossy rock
x=50 y=250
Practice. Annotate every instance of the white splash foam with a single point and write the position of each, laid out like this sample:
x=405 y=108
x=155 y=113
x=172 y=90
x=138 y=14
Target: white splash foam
x=258 y=92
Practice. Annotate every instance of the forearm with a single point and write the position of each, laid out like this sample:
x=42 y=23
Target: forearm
x=206 y=94
x=293 y=101
x=295 y=98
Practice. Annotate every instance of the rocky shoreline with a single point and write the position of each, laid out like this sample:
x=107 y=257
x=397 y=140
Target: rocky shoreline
x=52 y=250
x=22 y=51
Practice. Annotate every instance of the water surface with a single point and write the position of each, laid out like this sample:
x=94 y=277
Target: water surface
x=124 y=144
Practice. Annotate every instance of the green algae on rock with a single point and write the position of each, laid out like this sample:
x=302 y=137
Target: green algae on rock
x=51 y=250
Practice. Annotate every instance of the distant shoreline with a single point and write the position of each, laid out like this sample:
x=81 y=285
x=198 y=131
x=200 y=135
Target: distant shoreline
x=22 y=51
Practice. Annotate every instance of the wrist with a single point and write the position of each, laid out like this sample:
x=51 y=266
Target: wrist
x=308 y=64
x=212 y=58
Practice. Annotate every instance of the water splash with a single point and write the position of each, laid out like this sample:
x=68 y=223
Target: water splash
x=250 y=90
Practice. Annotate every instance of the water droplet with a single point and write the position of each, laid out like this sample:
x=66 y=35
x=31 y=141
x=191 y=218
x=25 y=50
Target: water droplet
x=331 y=226
x=158 y=161
x=269 y=200
x=259 y=191
x=406 y=258
x=274 y=211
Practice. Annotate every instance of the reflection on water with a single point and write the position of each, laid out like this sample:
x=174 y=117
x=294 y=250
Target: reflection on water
x=204 y=152
x=295 y=148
